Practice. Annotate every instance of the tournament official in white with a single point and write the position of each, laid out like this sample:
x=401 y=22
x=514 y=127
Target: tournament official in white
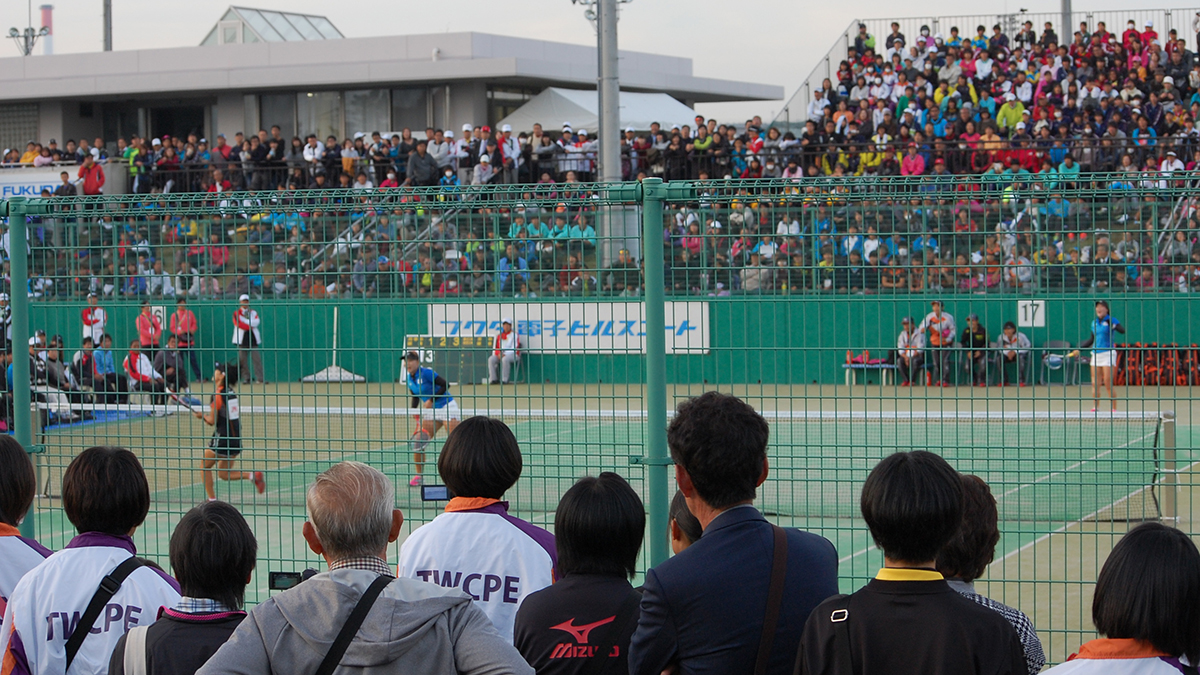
x=247 y=338
x=94 y=319
x=506 y=352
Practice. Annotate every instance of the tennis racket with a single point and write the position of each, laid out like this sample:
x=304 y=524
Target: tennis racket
x=180 y=400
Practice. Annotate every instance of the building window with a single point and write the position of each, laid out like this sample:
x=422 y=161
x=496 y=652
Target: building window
x=278 y=109
x=504 y=101
x=18 y=125
x=367 y=110
x=231 y=32
x=320 y=113
x=250 y=113
x=410 y=109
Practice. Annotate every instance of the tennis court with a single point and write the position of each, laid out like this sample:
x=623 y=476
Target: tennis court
x=1057 y=474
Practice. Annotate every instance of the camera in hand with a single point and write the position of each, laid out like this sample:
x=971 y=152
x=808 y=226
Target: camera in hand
x=435 y=493
x=282 y=581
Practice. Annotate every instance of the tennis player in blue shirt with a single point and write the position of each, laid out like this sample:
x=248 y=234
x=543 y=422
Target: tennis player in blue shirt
x=435 y=408
x=1104 y=352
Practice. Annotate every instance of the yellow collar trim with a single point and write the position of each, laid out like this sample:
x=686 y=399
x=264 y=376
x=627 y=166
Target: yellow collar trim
x=901 y=574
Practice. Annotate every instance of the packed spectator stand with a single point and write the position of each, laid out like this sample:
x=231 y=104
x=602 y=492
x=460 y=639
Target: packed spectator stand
x=985 y=163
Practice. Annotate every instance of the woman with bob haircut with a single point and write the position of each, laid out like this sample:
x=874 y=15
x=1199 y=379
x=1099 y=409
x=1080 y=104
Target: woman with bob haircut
x=475 y=545
x=598 y=530
x=213 y=553
x=1147 y=607
x=18 y=485
x=106 y=497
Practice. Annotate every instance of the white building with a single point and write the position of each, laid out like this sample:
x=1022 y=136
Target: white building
x=257 y=68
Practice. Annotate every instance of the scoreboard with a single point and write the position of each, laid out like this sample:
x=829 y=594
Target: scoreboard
x=459 y=359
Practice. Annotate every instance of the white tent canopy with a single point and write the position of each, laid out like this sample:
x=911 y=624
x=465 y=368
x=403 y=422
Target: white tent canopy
x=581 y=109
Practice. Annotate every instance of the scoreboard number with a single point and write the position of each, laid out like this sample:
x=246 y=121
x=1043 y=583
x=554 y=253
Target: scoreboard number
x=1031 y=313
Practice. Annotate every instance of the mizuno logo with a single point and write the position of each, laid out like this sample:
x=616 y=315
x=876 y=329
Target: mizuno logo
x=580 y=633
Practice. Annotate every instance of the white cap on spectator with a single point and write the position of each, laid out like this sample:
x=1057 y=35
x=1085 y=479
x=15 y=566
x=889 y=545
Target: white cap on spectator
x=1171 y=153
x=32 y=341
x=507 y=320
x=716 y=225
x=629 y=130
x=203 y=140
x=4 y=296
x=466 y=127
x=506 y=127
x=1168 y=80
x=359 y=134
x=1020 y=125
x=1010 y=96
x=449 y=134
x=1137 y=111
x=1149 y=23
x=566 y=126
x=674 y=127
x=156 y=142
x=583 y=132
x=244 y=298
x=484 y=159
x=95 y=153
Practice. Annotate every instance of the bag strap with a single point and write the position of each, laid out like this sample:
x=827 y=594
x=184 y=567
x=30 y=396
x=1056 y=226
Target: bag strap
x=774 y=601
x=840 y=618
x=109 y=585
x=135 y=651
x=600 y=658
x=359 y=614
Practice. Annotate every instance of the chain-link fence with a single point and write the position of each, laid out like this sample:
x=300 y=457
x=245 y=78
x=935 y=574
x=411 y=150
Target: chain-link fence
x=623 y=300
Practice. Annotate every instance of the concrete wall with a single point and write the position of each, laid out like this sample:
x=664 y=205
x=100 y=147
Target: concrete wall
x=754 y=340
x=350 y=63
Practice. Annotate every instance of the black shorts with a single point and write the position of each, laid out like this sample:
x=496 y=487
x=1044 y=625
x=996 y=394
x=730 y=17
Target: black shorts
x=226 y=447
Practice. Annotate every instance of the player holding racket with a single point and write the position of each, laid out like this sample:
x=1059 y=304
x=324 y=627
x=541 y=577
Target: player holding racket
x=435 y=408
x=226 y=445
x=1104 y=352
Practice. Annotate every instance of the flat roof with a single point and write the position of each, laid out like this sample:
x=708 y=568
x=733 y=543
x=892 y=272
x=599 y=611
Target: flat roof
x=353 y=62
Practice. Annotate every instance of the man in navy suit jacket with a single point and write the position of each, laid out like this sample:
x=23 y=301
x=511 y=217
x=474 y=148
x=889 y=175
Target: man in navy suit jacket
x=703 y=610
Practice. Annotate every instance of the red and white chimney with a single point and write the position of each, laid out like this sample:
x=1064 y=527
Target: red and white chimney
x=48 y=24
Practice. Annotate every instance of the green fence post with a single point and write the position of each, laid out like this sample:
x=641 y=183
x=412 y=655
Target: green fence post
x=22 y=420
x=657 y=457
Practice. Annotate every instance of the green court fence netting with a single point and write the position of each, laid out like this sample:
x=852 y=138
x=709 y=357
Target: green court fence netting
x=627 y=299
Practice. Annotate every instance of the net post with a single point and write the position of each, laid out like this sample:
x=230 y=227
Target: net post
x=1170 y=469
x=22 y=417
x=652 y=196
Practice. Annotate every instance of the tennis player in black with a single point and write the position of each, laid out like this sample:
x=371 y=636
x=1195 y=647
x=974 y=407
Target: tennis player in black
x=226 y=415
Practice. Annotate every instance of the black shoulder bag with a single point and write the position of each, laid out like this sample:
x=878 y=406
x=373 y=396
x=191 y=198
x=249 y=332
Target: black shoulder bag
x=333 y=657
x=774 y=601
x=109 y=585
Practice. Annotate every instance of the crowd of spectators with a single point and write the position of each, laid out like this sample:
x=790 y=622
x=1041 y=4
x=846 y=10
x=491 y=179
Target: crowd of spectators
x=1082 y=154
x=724 y=239
x=480 y=591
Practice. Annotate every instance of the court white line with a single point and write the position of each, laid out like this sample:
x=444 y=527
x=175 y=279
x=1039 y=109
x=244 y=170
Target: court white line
x=1040 y=480
x=1084 y=519
x=1076 y=465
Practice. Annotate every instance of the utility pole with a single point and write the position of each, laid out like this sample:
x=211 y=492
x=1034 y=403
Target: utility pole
x=609 y=88
x=1067 y=22
x=108 y=25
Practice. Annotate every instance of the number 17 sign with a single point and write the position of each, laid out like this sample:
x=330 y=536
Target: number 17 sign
x=1031 y=313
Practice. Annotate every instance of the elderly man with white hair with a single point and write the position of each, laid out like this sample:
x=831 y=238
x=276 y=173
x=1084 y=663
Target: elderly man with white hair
x=356 y=614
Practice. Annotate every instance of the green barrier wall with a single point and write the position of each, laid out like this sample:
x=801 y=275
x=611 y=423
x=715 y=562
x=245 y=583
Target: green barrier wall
x=766 y=339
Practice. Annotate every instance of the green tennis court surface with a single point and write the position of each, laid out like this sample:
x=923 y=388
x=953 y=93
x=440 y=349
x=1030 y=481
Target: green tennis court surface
x=1046 y=470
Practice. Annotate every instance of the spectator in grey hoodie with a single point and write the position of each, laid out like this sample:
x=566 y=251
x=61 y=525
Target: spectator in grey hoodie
x=413 y=626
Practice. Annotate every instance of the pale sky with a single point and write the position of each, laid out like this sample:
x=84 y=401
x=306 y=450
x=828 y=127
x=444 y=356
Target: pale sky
x=765 y=41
